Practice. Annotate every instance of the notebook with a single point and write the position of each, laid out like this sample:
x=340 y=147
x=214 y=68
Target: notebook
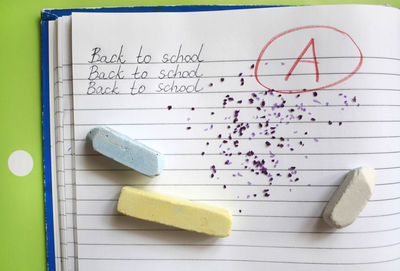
x=259 y=110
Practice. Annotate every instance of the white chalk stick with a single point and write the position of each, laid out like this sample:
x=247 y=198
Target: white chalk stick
x=350 y=198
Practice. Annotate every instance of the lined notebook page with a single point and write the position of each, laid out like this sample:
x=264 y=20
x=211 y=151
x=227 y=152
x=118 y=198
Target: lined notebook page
x=66 y=154
x=272 y=159
x=59 y=110
x=60 y=54
x=57 y=197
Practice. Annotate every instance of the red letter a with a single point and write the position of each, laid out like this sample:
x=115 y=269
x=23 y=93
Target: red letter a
x=310 y=43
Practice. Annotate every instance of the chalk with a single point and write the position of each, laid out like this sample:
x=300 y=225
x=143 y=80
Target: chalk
x=126 y=151
x=176 y=212
x=350 y=198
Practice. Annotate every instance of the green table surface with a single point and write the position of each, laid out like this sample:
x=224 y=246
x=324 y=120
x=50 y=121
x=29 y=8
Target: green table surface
x=22 y=229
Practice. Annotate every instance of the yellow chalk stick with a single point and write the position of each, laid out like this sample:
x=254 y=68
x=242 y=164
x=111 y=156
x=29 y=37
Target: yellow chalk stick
x=172 y=211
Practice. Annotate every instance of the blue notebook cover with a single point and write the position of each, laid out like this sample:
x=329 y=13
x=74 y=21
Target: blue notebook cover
x=51 y=15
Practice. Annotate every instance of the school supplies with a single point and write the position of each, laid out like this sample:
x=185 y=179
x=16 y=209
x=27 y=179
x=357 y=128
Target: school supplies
x=261 y=111
x=126 y=151
x=173 y=211
x=350 y=198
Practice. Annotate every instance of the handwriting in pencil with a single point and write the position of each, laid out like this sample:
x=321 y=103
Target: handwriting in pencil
x=180 y=64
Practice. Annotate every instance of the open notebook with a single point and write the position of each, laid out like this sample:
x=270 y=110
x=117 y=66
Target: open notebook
x=258 y=110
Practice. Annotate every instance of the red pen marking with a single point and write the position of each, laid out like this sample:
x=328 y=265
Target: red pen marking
x=307 y=61
x=299 y=59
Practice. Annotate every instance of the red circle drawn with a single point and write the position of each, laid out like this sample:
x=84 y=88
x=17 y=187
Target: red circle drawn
x=301 y=28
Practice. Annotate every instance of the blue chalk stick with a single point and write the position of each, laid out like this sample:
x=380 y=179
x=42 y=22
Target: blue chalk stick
x=125 y=150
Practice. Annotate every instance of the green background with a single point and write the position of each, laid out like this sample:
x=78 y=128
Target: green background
x=22 y=230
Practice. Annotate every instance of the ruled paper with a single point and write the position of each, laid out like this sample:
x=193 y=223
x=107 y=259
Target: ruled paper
x=68 y=146
x=59 y=132
x=57 y=197
x=276 y=223
x=57 y=55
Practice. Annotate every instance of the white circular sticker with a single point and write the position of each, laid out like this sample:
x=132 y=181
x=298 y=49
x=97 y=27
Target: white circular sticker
x=20 y=163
